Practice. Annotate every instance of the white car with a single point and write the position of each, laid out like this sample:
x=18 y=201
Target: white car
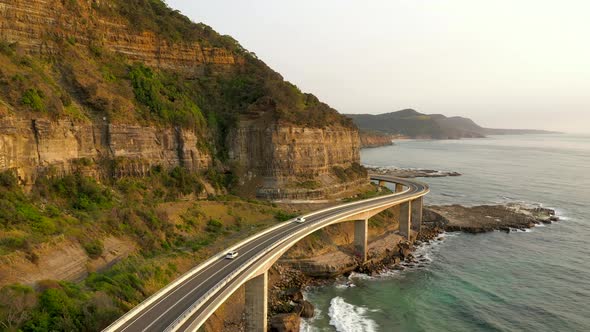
x=300 y=220
x=231 y=255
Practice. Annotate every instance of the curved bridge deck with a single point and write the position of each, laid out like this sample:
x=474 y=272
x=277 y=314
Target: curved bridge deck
x=186 y=303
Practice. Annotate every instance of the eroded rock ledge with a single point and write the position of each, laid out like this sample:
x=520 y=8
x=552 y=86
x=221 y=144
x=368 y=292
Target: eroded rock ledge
x=411 y=172
x=487 y=218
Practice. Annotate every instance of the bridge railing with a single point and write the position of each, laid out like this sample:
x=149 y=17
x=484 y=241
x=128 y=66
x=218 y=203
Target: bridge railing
x=190 y=310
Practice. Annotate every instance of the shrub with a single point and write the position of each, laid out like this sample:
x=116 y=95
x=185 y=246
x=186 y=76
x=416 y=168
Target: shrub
x=7 y=48
x=94 y=248
x=82 y=193
x=14 y=242
x=44 y=226
x=284 y=216
x=34 y=99
x=214 y=226
x=166 y=101
x=8 y=179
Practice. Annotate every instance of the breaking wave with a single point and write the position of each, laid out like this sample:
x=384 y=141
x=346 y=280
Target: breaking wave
x=346 y=317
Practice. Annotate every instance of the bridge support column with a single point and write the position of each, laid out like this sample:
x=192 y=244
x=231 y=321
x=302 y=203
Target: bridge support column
x=405 y=218
x=417 y=214
x=361 y=231
x=399 y=187
x=380 y=185
x=257 y=303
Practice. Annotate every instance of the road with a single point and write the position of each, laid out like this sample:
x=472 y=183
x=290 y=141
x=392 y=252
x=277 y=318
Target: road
x=207 y=284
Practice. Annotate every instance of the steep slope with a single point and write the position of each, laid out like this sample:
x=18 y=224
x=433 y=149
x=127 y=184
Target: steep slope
x=372 y=139
x=134 y=84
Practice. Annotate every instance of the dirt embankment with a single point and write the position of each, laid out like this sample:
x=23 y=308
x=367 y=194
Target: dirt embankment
x=61 y=260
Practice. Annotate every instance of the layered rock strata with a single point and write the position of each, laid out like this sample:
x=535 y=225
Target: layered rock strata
x=37 y=25
x=374 y=140
x=33 y=147
x=278 y=155
x=274 y=154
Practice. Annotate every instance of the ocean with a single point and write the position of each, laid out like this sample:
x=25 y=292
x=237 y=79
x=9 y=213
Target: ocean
x=538 y=280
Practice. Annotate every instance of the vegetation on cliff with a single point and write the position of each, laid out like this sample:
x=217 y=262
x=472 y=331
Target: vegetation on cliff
x=79 y=209
x=84 y=79
x=72 y=73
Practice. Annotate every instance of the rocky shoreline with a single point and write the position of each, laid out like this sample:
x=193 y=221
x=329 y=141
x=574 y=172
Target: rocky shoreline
x=411 y=172
x=287 y=305
x=487 y=218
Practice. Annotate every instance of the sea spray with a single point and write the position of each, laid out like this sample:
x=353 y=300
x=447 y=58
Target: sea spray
x=346 y=317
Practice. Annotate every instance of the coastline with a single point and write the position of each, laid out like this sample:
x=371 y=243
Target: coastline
x=288 y=307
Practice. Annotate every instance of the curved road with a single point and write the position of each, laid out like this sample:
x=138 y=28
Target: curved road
x=192 y=298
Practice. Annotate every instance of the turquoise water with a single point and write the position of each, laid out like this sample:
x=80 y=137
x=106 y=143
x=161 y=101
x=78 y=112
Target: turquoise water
x=524 y=281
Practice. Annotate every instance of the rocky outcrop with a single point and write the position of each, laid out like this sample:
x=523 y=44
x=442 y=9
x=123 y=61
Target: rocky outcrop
x=33 y=147
x=411 y=172
x=38 y=25
x=374 y=140
x=486 y=218
x=285 y=323
x=338 y=262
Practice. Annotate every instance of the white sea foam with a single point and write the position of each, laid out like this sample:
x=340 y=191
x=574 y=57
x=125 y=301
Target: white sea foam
x=516 y=230
x=346 y=317
x=345 y=285
x=355 y=275
x=307 y=324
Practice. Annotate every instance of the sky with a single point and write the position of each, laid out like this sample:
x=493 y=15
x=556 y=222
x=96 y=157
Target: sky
x=503 y=63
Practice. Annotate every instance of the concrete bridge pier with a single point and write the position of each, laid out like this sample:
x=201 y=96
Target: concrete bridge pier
x=417 y=214
x=257 y=303
x=405 y=219
x=380 y=185
x=361 y=232
x=399 y=187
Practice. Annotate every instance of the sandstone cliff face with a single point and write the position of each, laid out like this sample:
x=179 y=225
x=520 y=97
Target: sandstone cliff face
x=282 y=154
x=288 y=150
x=35 y=146
x=36 y=24
x=372 y=140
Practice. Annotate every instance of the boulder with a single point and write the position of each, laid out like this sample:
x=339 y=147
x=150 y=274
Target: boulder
x=307 y=309
x=285 y=323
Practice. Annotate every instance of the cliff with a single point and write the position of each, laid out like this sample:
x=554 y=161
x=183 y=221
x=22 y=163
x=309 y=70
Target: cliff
x=40 y=25
x=35 y=147
x=295 y=162
x=372 y=139
x=113 y=88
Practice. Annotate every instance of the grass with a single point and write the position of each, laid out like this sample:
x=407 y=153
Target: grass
x=146 y=210
x=369 y=194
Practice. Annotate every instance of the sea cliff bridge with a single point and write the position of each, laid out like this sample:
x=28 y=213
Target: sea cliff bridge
x=186 y=303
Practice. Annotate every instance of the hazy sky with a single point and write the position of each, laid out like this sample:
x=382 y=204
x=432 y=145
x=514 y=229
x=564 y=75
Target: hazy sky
x=504 y=63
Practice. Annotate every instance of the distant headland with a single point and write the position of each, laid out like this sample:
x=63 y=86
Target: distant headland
x=380 y=129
